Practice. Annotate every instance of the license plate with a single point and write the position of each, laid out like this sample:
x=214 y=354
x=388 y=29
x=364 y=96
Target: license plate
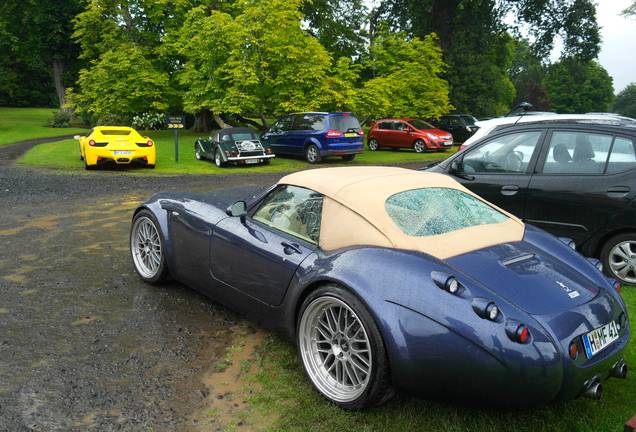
x=122 y=153
x=448 y=143
x=599 y=338
x=251 y=161
x=350 y=135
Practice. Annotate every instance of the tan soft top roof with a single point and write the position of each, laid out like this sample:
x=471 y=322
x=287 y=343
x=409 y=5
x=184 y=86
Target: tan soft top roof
x=354 y=211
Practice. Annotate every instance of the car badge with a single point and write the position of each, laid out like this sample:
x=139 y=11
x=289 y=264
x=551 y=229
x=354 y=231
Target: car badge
x=570 y=292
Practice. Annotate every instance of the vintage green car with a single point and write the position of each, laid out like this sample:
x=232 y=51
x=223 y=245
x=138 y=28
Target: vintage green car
x=236 y=145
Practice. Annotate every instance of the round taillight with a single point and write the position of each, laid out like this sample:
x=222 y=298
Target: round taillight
x=149 y=143
x=452 y=286
x=91 y=143
x=523 y=334
x=492 y=312
x=574 y=350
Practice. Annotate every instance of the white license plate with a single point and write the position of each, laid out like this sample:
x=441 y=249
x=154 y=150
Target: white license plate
x=251 y=161
x=448 y=143
x=599 y=338
x=122 y=153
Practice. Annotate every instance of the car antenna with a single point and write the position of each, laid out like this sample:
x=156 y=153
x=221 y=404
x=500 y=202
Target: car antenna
x=525 y=106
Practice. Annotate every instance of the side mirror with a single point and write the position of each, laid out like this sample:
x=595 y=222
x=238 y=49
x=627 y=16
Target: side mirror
x=238 y=209
x=76 y=137
x=454 y=167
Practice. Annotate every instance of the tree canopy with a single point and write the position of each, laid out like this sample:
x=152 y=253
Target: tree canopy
x=625 y=102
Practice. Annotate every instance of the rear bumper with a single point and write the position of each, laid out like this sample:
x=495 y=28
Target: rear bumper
x=244 y=158
x=98 y=155
x=342 y=149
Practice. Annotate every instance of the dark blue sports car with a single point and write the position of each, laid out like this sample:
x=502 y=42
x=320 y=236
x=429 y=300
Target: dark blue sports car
x=389 y=278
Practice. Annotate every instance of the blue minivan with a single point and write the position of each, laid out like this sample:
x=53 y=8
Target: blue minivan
x=315 y=135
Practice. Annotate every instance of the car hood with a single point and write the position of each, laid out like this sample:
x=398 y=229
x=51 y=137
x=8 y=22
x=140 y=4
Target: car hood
x=532 y=278
x=438 y=132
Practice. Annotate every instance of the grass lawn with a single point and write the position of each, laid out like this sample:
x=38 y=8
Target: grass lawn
x=282 y=394
x=65 y=155
x=19 y=124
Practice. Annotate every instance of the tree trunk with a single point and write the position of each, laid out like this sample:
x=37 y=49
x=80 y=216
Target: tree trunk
x=250 y=122
x=220 y=121
x=58 y=72
x=264 y=120
x=202 y=121
x=442 y=13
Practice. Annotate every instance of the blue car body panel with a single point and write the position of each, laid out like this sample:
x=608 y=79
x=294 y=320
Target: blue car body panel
x=437 y=345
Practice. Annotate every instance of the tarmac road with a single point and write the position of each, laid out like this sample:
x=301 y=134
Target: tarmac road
x=84 y=344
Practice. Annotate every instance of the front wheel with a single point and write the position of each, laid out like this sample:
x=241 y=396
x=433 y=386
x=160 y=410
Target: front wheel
x=197 y=152
x=312 y=155
x=419 y=146
x=342 y=350
x=373 y=144
x=146 y=248
x=619 y=257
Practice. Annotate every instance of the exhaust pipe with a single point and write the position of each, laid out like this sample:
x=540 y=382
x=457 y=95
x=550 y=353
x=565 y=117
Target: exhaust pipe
x=594 y=390
x=619 y=370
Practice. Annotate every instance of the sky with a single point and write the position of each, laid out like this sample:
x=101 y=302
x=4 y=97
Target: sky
x=618 y=46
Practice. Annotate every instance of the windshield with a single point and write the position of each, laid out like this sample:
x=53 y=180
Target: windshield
x=421 y=124
x=470 y=120
x=344 y=122
x=433 y=211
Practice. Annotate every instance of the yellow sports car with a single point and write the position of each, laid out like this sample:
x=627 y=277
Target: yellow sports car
x=119 y=144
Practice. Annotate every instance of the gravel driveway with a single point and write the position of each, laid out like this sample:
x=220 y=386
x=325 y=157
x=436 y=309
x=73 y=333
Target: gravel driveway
x=84 y=345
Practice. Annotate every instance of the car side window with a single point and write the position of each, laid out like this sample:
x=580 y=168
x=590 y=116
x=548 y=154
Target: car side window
x=292 y=210
x=385 y=126
x=577 y=153
x=400 y=126
x=314 y=122
x=507 y=154
x=622 y=157
x=282 y=124
x=454 y=121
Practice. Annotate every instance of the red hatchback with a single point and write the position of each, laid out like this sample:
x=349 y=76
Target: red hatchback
x=408 y=133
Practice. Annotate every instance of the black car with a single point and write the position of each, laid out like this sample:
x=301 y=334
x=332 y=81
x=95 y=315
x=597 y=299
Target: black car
x=575 y=179
x=235 y=145
x=461 y=126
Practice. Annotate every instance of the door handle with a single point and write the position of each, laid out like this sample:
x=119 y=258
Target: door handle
x=291 y=248
x=509 y=190
x=617 y=191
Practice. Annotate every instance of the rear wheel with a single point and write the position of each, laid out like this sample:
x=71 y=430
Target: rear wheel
x=373 y=144
x=89 y=167
x=197 y=153
x=349 y=157
x=312 y=155
x=342 y=350
x=419 y=146
x=218 y=159
x=146 y=248
x=619 y=257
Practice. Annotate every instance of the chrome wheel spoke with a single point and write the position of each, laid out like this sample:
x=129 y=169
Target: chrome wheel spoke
x=145 y=245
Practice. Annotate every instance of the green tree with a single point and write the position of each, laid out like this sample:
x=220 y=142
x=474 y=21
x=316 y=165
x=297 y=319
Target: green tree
x=625 y=102
x=578 y=87
x=260 y=62
x=40 y=59
x=630 y=11
x=406 y=78
x=527 y=74
x=121 y=82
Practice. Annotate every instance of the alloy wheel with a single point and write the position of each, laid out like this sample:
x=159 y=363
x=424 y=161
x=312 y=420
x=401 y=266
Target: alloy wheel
x=145 y=245
x=622 y=261
x=335 y=349
x=419 y=146
x=373 y=145
x=312 y=154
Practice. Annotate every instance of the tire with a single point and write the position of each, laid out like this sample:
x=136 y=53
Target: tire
x=618 y=253
x=419 y=146
x=88 y=167
x=218 y=159
x=349 y=157
x=312 y=154
x=147 y=248
x=197 y=153
x=373 y=144
x=151 y=166
x=337 y=358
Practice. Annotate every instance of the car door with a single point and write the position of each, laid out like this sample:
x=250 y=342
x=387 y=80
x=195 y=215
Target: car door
x=578 y=188
x=500 y=168
x=386 y=135
x=260 y=254
x=402 y=134
x=277 y=137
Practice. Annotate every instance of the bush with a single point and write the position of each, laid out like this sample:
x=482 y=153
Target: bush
x=61 y=119
x=108 y=119
x=149 y=121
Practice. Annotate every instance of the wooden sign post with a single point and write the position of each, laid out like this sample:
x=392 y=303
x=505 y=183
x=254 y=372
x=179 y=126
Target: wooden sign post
x=176 y=123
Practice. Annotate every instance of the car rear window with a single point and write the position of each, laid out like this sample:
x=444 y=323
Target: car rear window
x=344 y=122
x=115 y=132
x=433 y=211
x=309 y=122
